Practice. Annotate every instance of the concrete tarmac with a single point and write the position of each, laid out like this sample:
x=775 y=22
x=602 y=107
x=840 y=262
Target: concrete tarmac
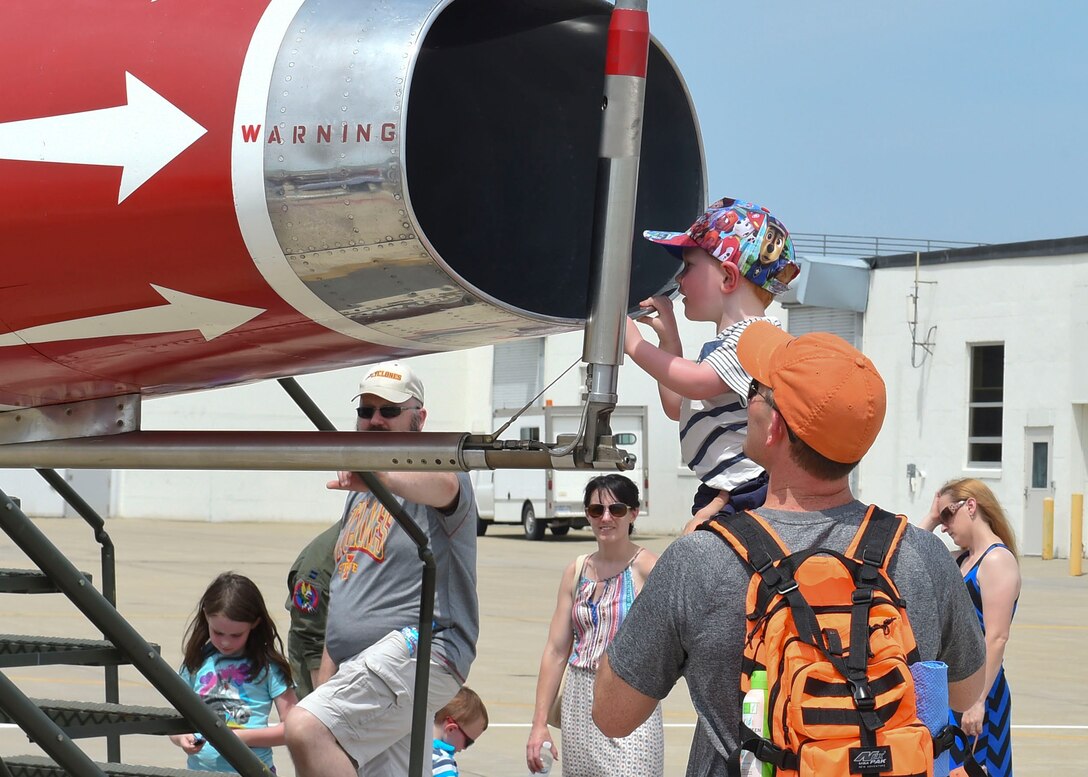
x=164 y=566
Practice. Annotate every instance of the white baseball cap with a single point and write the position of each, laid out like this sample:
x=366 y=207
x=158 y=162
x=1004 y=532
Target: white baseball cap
x=393 y=382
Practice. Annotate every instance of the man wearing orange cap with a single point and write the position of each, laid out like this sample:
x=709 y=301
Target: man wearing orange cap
x=816 y=406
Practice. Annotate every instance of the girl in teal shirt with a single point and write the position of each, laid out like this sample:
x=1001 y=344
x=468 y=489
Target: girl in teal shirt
x=233 y=659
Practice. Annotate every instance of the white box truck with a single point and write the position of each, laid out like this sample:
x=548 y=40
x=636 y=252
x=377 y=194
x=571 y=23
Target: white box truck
x=541 y=499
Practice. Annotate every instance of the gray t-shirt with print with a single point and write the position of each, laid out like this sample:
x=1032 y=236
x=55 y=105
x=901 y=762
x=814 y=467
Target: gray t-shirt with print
x=689 y=619
x=377 y=578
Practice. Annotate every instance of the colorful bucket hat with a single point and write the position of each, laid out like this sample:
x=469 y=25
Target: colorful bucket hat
x=742 y=233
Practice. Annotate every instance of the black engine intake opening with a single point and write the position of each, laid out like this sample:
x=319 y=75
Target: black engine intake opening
x=502 y=134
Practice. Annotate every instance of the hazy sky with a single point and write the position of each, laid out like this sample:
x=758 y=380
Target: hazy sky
x=957 y=120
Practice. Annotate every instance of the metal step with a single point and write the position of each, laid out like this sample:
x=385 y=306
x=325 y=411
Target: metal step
x=23 y=650
x=28 y=581
x=81 y=719
x=39 y=766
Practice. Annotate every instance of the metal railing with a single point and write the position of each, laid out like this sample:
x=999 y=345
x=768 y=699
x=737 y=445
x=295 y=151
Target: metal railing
x=861 y=246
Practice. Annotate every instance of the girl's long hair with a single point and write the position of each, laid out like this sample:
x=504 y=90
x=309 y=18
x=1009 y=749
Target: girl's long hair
x=989 y=507
x=237 y=598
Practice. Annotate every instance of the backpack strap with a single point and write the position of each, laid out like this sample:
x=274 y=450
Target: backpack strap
x=945 y=739
x=873 y=546
x=765 y=751
x=750 y=536
x=877 y=538
x=761 y=549
x=756 y=544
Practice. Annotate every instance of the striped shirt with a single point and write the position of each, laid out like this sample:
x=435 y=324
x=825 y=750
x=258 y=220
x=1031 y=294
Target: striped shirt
x=712 y=431
x=442 y=763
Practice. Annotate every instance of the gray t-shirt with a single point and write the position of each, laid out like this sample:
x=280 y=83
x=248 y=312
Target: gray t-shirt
x=378 y=576
x=689 y=619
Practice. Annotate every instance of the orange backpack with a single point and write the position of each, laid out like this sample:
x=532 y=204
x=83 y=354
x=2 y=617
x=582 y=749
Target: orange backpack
x=833 y=706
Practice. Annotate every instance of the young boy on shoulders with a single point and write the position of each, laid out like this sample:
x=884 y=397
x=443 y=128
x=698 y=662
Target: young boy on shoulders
x=737 y=257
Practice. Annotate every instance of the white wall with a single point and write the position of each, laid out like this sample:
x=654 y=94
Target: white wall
x=36 y=496
x=1023 y=303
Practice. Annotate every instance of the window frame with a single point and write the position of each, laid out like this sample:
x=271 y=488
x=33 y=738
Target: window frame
x=972 y=405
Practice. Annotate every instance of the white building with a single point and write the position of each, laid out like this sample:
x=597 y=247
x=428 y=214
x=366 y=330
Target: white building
x=983 y=351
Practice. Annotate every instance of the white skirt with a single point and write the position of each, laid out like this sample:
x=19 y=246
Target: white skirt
x=586 y=752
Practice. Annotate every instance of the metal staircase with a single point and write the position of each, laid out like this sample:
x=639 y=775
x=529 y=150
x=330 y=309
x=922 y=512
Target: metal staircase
x=53 y=725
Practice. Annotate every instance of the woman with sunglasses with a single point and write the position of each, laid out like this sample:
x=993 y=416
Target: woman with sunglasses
x=969 y=513
x=595 y=593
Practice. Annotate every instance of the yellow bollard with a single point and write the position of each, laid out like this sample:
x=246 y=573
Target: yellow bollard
x=1048 y=528
x=1076 y=535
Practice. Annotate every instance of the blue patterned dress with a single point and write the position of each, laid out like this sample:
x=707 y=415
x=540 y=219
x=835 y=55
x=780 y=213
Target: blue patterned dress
x=993 y=748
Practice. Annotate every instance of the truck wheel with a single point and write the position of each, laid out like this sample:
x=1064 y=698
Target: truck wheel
x=534 y=529
x=481 y=527
x=560 y=529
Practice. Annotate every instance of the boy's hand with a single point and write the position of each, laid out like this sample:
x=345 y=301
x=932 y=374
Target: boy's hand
x=662 y=319
x=631 y=338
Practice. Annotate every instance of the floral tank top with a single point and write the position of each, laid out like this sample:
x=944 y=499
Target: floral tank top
x=599 y=608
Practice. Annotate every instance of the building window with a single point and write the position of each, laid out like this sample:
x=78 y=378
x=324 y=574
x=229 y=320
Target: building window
x=987 y=396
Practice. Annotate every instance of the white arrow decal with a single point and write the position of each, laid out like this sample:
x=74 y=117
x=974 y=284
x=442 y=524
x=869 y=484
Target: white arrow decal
x=183 y=312
x=141 y=137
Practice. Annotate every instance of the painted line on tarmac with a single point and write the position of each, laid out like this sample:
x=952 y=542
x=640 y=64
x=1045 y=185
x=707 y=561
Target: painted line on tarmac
x=7 y=726
x=692 y=725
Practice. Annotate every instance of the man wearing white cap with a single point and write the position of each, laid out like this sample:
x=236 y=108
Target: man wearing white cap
x=359 y=718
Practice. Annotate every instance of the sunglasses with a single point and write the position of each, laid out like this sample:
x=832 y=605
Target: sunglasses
x=387 y=411
x=618 y=510
x=950 y=510
x=753 y=389
x=469 y=741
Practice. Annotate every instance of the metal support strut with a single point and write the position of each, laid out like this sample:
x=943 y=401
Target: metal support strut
x=109 y=584
x=614 y=216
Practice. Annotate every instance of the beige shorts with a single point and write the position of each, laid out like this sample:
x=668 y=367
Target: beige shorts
x=367 y=705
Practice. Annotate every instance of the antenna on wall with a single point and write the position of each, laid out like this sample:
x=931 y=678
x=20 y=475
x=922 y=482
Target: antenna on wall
x=912 y=320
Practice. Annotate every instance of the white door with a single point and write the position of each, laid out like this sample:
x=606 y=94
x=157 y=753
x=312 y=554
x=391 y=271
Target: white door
x=1038 y=485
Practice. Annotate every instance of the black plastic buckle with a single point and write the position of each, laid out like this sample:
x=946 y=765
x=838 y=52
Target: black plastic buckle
x=769 y=753
x=862 y=595
x=944 y=740
x=863 y=696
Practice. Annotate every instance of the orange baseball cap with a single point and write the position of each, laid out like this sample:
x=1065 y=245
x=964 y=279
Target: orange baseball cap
x=828 y=391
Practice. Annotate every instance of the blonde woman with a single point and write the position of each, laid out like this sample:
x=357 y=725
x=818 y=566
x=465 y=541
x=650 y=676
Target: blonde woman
x=967 y=511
